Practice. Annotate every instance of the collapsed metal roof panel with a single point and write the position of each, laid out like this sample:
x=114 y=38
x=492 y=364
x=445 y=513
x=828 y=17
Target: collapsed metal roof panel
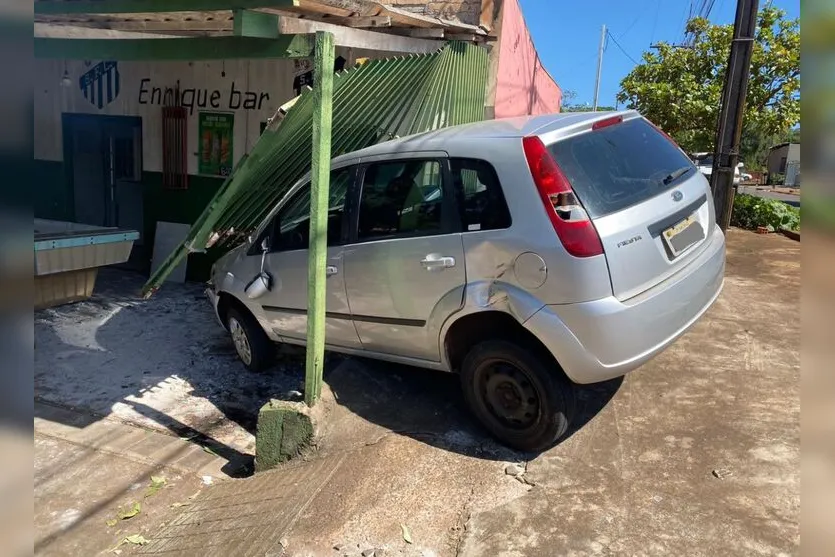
x=372 y=103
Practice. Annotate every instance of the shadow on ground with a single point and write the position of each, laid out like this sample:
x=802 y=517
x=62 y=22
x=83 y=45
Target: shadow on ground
x=429 y=405
x=165 y=363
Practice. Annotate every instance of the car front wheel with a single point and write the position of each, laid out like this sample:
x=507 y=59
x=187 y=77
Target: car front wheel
x=254 y=348
x=519 y=397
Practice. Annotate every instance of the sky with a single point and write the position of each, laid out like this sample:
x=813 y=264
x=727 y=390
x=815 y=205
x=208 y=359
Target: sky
x=567 y=36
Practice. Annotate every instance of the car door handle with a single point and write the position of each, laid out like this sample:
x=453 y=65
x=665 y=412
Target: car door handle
x=434 y=262
x=331 y=270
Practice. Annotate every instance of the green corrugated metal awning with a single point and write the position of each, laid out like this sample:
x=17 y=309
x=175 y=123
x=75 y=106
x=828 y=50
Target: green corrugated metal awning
x=372 y=103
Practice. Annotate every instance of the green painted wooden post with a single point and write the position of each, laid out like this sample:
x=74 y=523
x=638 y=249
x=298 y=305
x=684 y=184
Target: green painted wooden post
x=248 y=23
x=319 y=188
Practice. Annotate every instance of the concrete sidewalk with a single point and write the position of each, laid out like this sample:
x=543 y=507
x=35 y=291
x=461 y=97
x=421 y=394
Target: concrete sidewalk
x=696 y=453
x=87 y=469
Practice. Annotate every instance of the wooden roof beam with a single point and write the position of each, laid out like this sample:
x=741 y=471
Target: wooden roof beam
x=168 y=49
x=365 y=22
x=54 y=7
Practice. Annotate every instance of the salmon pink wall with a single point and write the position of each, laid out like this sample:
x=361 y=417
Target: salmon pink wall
x=523 y=86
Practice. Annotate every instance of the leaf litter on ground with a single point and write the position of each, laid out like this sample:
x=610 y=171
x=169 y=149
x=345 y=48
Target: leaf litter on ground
x=157 y=483
x=130 y=512
x=407 y=535
x=133 y=539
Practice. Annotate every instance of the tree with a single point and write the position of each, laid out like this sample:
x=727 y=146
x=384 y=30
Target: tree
x=755 y=144
x=584 y=108
x=680 y=88
x=567 y=98
x=567 y=103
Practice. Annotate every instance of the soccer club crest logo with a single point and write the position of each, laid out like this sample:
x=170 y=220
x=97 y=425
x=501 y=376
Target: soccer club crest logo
x=100 y=85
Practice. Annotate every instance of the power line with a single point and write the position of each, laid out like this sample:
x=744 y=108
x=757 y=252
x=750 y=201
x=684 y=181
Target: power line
x=614 y=40
x=685 y=18
x=655 y=20
x=634 y=21
x=703 y=11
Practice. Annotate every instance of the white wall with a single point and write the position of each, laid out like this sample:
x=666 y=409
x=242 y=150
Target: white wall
x=271 y=81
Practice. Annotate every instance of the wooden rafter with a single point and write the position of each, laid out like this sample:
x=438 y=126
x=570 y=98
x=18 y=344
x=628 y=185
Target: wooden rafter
x=54 y=7
x=184 y=22
x=214 y=17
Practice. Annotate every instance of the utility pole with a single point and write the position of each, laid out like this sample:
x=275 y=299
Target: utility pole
x=599 y=65
x=726 y=155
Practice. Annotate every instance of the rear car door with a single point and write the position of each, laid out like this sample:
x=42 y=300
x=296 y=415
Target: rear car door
x=651 y=207
x=285 y=306
x=404 y=269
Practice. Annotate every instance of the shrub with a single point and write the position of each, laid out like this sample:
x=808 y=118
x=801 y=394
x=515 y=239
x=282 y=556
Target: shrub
x=751 y=212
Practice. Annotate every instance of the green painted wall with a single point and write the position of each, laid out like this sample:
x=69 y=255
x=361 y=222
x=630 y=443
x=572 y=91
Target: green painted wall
x=53 y=199
x=185 y=206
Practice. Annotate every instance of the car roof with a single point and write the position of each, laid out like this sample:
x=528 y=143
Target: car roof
x=500 y=128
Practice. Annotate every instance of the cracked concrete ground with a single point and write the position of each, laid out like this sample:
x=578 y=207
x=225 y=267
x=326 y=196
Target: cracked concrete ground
x=696 y=453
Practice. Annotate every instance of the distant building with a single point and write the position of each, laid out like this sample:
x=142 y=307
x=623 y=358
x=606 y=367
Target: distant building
x=785 y=159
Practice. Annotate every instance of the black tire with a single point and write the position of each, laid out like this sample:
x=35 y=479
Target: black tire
x=519 y=396
x=261 y=349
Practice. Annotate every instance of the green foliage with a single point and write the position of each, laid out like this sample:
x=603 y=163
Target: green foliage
x=567 y=103
x=751 y=212
x=755 y=144
x=583 y=108
x=776 y=179
x=680 y=88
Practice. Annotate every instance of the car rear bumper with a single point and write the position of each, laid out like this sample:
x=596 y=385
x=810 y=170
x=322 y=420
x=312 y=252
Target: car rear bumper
x=598 y=340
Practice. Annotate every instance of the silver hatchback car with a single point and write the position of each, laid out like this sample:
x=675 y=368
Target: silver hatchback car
x=527 y=254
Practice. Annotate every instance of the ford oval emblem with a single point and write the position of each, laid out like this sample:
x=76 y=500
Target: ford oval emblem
x=677 y=196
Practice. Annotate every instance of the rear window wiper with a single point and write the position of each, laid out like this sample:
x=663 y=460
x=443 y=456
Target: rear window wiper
x=676 y=174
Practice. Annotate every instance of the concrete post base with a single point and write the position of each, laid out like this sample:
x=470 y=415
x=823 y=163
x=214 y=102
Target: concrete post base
x=284 y=430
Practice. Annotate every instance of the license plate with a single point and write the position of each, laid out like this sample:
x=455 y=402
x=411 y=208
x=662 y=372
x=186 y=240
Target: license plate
x=681 y=236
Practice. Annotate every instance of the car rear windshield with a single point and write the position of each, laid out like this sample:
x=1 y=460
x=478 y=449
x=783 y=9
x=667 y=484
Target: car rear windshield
x=620 y=165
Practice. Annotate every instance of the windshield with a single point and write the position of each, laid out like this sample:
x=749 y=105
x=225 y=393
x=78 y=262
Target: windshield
x=620 y=165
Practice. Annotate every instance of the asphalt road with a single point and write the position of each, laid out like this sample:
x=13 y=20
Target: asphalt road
x=793 y=200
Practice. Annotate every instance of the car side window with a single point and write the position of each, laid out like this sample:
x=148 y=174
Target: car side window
x=481 y=203
x=401 y=199
x=290 y=228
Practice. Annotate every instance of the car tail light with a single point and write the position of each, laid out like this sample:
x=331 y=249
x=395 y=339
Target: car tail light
x=605 y=123
x=571 y=222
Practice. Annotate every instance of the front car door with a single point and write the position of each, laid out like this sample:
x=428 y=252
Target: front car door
x=404 y=267
x=285 y=306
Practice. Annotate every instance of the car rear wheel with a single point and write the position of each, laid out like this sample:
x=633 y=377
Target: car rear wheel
x=254 y=348
x=520 y=398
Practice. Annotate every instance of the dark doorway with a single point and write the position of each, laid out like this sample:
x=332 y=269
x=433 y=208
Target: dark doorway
x=104 y=158
x=103 y=155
